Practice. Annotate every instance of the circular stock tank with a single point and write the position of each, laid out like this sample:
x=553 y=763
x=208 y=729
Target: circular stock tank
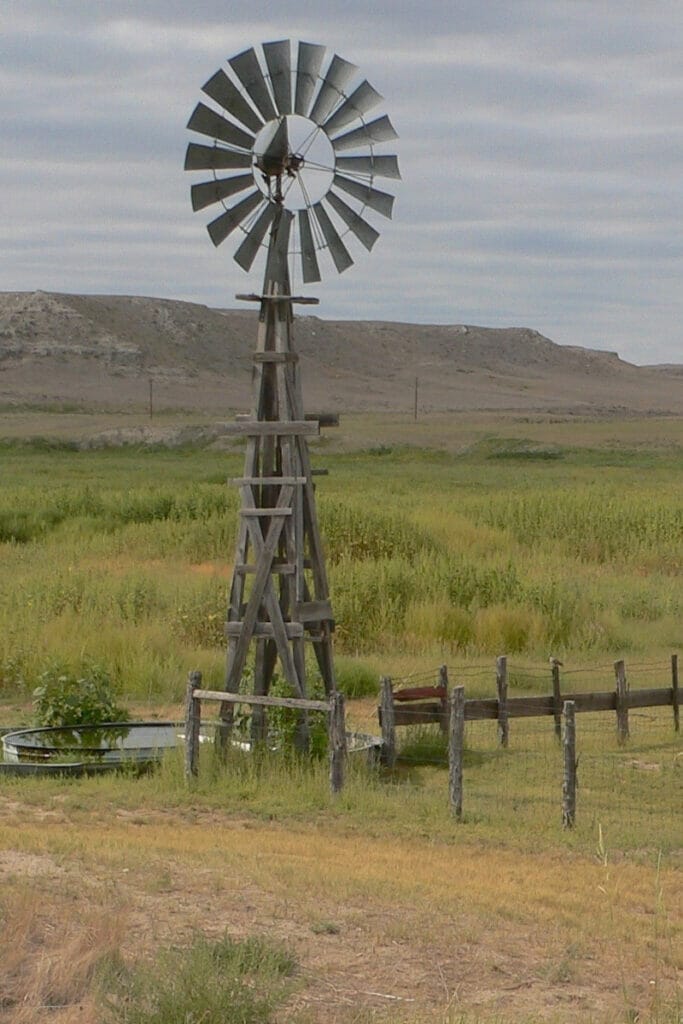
x=91 y=749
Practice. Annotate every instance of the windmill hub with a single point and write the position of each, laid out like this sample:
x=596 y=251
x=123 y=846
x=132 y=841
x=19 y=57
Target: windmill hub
x=295 y=160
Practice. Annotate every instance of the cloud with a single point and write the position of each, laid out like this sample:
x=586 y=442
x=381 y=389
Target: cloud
x=541 y=152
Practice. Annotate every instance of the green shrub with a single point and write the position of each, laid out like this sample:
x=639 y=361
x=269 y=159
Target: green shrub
x=66 y=699
x=223 y=982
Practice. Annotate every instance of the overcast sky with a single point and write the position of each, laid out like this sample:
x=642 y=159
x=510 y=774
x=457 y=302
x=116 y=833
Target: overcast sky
x=541 y=148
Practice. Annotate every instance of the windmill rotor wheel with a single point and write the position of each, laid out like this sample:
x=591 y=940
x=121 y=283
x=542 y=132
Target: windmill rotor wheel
x=290 y=132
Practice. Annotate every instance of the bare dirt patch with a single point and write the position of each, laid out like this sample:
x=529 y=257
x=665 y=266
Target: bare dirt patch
x=395 y=930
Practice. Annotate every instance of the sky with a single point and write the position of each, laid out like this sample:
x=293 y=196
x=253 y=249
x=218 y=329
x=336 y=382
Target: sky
x=541 y=152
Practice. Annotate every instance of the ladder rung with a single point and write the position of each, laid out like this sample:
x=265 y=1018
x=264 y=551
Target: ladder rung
x=267 y=481
x=265 y=512
x=283 y=568
x=272 y=428
x=276 y=357
x=294 y=630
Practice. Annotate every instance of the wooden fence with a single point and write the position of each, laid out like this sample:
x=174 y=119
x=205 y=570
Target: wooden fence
x=424 y=705
x=333 y=707
x=450 y=711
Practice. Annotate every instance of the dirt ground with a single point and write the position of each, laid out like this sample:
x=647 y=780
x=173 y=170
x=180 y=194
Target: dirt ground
x=382 y=929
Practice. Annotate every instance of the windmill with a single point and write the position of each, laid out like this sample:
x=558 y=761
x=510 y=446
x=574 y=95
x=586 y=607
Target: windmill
x=289 y=126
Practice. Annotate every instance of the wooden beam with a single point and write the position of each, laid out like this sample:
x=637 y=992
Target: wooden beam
x=313 y=611
x=275 y=357
x=301 y=300
x=264 y=629
x=263 y=512
x=272 y=428
x=267 y=481
x=263 y=700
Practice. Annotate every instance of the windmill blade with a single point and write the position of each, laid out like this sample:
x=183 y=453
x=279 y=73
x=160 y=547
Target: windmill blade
x=227 y=95
x=372 y=197
x=309 y=62
x=382 y=166
x=364 y=98
x=248 y=70
x=205 y=158
x=208 y=122
x=220 y=228
x=309 y=260
x=380 y=130
x=363 y=231
x=338 y=251
x=330 y=93
x=278 y=61
x=246 y=253
x=209 y=192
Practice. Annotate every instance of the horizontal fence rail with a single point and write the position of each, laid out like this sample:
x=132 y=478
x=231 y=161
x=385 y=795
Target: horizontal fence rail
x=333 y=707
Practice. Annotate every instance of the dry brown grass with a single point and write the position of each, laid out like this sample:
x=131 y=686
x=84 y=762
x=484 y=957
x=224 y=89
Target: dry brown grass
x=56 y=947
x=384 y=929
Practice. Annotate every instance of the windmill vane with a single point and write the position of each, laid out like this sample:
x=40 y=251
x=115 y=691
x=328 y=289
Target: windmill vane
x=292 y=132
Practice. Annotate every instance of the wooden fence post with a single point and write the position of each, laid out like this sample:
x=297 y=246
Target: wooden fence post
x=193 y=715
x=622 y=701
x=570 y=763
x=443 y=685
x=456 y=748
x=502 y=688
x=557 y=697
x=388 y=726
x=674 y=691
x=337 y=741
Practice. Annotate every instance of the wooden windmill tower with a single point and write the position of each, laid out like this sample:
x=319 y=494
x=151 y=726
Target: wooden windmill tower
x=280 y=130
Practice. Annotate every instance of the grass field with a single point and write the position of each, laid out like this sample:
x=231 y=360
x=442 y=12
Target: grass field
x=454 y=543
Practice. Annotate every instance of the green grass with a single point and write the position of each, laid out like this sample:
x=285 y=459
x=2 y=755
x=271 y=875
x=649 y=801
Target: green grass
x=111 y=556
x=215 y=982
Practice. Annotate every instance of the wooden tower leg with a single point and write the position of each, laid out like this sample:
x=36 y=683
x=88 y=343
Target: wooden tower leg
x=279 y=597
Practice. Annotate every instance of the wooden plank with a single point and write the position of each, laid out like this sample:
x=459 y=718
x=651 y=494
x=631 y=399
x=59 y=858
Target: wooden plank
x=570 y=764
x=456 y=749
x=654 y=698
x=557 y=697
x=621 y=701
x=419 y=693
x=281 y=568
x=417 y=714
x=192 y=725
x=313 y=611
x=264 y=552
x=674 y=691
x=273 y=428
x=387 y=723
x=275 y=357
x=264 y=629
x=337 y=741
x=263 y=512
x=502 y=688
x=263 y=700
x=325 y=419
x=301 y=300
x=267 y=481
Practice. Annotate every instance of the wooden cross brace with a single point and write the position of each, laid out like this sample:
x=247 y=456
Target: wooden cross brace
x=263 y=592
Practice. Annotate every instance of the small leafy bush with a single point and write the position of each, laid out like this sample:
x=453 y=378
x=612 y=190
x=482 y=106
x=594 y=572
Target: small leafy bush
x=64 y=698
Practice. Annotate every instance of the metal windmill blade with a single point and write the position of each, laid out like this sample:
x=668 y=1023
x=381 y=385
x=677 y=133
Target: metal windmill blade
x=291 y=121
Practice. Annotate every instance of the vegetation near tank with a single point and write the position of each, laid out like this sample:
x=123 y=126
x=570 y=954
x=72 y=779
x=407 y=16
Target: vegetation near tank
x=63 y=698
